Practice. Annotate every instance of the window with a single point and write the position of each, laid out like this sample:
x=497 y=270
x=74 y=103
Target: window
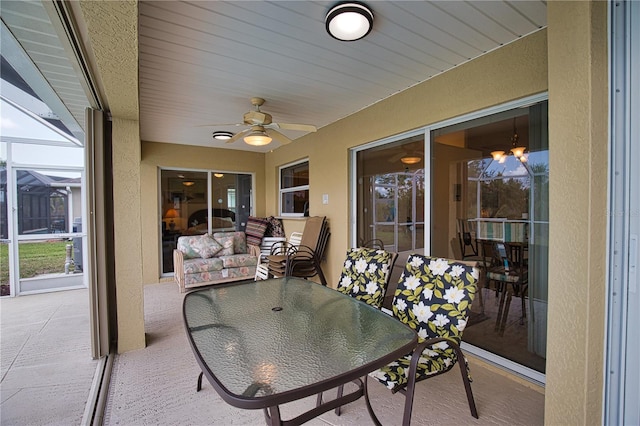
x=294 y=189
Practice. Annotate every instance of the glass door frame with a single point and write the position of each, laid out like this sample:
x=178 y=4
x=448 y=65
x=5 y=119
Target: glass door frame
x=487 y=356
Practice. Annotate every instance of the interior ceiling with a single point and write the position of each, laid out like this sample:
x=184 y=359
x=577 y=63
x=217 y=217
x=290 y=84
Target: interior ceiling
x=200 y=62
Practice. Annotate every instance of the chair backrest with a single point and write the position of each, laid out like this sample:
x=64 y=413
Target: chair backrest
x=313 y=230
x=295 y=238
x=434 y=296
x=262 y=272
x=365 y=274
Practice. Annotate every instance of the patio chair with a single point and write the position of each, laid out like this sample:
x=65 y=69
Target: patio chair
x=434 y=298
x=365 y=276
x=302 y=260
x=366 y=273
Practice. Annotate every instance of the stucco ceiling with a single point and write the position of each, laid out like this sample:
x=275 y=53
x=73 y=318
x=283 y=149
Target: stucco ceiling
x=201 y=62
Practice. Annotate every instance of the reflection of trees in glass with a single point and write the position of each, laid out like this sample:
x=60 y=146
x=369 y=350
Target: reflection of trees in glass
x=507 y=197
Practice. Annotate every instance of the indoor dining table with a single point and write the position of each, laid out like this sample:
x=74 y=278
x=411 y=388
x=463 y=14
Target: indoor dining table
x=266 y=343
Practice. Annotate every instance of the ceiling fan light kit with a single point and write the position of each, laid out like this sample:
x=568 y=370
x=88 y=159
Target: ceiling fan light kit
x=261 y=128
x=410 y=160
x=257 y=137
x=349 y=21
x=222 y=136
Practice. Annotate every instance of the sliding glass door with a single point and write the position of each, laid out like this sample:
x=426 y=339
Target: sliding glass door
x=486 y=183
x=200 y=202
x=390 y=194
x=490 y=183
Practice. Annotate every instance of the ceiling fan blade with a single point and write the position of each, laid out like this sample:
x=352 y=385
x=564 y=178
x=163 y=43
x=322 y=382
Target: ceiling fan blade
x=223 y=124
x=237 y=136
x=276 y=135
x=298 y=127
x=397 y=157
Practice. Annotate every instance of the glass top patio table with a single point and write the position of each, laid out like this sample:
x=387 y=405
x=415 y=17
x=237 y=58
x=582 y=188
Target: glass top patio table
x=261 y=344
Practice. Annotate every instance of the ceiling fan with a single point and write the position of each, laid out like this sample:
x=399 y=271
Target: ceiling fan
x=409 y=154
x=261 y=128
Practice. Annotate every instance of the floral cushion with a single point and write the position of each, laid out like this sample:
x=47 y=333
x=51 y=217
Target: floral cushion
x=239 y=241
x=364 y=275
x=238 y=260
x=434 y=298
x=206 y=246
x=186 y=246
x=199 y=265
x=226 y=241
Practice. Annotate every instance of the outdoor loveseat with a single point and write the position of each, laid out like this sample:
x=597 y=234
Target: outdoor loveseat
x=211 y=259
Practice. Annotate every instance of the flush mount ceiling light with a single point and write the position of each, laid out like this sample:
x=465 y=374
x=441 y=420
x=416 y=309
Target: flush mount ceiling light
x=257 y=137
x=349 y=21
x=410 y=160
x=222 y=136
x=188 y=183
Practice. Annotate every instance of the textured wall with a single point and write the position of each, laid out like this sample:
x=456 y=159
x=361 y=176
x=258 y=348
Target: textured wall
x=155 y=155
x=111 y=31
x=578 y=204
x=514 y=71
x=128 y=234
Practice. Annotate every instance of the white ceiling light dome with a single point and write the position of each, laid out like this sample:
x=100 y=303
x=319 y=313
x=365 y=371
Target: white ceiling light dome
x=349 y=21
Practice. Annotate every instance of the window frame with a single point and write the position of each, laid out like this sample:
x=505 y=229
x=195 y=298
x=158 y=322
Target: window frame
x=282 y=191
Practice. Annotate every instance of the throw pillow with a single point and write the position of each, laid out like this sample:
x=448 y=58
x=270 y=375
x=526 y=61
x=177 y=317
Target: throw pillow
x=226 y=242
x=256 y=227
x=274 y=228
x=206 y=246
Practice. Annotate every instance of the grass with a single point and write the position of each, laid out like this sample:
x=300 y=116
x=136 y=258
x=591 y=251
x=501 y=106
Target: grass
x=36 y=258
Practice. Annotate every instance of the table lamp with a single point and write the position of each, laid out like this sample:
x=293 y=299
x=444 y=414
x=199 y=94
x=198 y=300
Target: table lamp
x=171 y=214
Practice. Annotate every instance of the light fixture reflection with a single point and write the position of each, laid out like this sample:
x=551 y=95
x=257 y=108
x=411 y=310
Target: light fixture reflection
x=410 y=160
x=188 y=183
x=497 y=155
x=218 y=175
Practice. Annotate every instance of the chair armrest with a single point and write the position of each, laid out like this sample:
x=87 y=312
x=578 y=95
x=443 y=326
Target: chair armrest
x=178 y=269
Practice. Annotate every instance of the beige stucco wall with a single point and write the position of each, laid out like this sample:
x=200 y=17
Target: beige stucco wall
x=163 y=155
x=578 y=205
x=514 y=71
x=110 y=31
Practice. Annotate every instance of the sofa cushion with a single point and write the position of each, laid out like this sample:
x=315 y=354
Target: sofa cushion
x=199 y=265
x=226 y=241
x=206 y=246
x=256 y=227
x=231 y=274
x=239 y=241
x=238 y=260
x=186 y=244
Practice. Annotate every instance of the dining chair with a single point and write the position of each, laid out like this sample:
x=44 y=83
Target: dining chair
x=510 y=272
x=434 y=298
x=466 y=238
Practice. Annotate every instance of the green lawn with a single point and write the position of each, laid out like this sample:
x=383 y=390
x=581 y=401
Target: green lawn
x=36 y=258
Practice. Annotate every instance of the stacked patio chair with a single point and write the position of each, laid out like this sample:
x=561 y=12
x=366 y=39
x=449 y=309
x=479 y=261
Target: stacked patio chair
x=302 y=260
